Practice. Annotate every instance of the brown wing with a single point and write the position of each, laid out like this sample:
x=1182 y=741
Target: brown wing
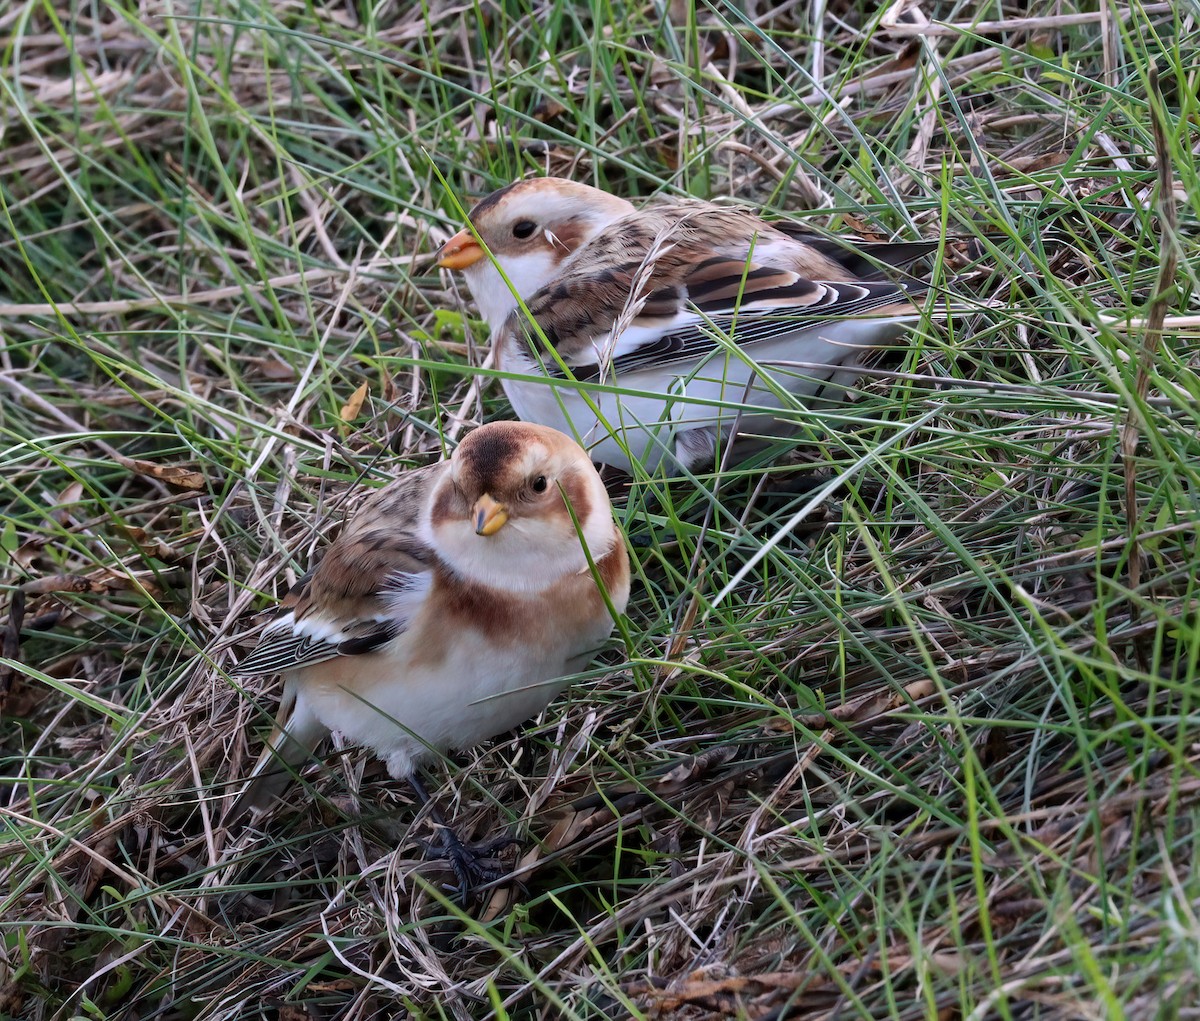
x=365 y=590
x=676 y=282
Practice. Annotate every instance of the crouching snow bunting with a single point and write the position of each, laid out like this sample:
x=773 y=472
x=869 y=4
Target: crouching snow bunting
x=450 y=609
x=682 y=322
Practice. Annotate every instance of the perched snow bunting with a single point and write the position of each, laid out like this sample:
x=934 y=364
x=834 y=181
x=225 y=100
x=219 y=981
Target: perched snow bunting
x=685 y=321
x=449 y=609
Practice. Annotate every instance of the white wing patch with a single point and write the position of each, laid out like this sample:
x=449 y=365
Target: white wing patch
x=404 y=593
x=288 y=644
x=693 y=336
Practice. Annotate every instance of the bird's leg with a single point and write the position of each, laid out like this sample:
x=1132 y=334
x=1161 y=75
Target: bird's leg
x=473 y=864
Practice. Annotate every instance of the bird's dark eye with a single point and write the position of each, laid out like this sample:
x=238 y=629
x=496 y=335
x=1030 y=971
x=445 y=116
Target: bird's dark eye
x=539 y=484
x=524 y=229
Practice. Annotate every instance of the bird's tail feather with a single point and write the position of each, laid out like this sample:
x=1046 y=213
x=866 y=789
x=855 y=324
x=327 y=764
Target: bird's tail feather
x=290 y=745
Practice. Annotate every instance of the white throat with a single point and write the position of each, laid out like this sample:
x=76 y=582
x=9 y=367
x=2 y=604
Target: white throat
x=528 y=274
x=520 y=558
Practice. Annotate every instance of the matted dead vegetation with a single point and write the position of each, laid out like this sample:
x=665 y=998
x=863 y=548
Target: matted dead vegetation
x=903 y=721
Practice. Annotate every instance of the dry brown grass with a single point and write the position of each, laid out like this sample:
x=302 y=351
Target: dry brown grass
x=934 y=756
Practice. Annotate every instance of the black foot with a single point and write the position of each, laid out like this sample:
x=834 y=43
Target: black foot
x=474 y=865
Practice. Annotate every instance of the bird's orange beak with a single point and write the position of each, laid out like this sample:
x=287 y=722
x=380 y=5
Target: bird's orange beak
x=460 y=251
x=488 y=515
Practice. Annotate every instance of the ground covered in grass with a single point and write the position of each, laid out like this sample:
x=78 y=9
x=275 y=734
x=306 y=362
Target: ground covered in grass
x=904 y=720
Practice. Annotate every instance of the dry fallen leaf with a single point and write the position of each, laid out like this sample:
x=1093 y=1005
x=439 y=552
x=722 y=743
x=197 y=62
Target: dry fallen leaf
x=504 y=896
x=750 y=996
x=67 y=498
x=275 y=368
x=354 y=405
x=1031 y=164
x=173 y=475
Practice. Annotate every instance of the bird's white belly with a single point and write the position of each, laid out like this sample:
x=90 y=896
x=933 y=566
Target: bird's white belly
x=668 y=402
x=407 y=712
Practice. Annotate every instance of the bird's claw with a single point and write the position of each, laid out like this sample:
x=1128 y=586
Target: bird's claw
x=474 y=865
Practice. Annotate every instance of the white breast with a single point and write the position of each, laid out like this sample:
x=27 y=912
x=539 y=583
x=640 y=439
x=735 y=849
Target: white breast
x=405 y=711
x=655 y=405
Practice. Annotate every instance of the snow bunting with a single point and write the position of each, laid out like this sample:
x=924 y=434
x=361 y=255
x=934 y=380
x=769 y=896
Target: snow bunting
x=450 y=609
x=656 y=333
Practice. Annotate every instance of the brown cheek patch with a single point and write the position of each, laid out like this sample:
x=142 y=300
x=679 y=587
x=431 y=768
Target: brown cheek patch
x=575 y=491
x=613 y=569
x=570 y=235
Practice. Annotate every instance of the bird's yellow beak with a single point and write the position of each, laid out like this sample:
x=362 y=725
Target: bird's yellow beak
x=460 y=251
x=488 y=515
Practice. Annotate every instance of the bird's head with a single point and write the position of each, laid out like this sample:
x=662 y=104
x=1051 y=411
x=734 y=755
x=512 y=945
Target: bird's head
x=530 y=228
x=512 y=508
